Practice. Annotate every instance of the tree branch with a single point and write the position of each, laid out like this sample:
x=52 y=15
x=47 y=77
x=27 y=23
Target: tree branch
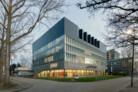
x=18 y=7
x=4 y=7
x=19 y=15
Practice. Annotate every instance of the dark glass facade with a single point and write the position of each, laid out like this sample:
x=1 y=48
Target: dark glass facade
x=53 y=33
x=119 y=66
x=49 y=48
x=51 y=52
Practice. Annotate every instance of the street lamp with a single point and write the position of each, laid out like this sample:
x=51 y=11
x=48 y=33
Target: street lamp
x=111 y=68
x=131 y=32
x=12 y=58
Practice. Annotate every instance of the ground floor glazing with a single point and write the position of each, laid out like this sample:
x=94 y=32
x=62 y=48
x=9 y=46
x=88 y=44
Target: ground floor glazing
x=69 y=73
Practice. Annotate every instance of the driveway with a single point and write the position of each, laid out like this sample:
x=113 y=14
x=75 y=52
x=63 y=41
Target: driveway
x=40 y=85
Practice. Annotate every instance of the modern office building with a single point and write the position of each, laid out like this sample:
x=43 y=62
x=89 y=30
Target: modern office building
x=66 y=51
x=119 y=66
x=112 y=54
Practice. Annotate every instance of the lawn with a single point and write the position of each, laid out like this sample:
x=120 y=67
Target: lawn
x=98 y=78
x=82 y=79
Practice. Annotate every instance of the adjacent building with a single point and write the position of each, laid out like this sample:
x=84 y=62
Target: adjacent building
x=117 y=65
x=23 y=71
x=65 y=50
x=112 y=54
x=121 y=66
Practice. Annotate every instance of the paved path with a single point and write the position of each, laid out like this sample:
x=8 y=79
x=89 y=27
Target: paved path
x=131 y=89
x=39 y=85
x=21 y=85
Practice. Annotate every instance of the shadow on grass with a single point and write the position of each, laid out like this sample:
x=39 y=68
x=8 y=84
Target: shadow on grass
x=12 y=85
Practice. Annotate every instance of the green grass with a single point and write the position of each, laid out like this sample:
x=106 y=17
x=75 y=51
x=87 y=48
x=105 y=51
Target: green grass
x=60 y=79
x=98 y=78
x=12 y=85
x=81 y=79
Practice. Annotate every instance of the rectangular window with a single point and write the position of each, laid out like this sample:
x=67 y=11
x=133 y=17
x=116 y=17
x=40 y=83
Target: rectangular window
x=49 y=45
x=80 y=59
x=67 y=39
x=80 y=33
x=57 y=48
x=95 y=42
x=53 y=65
x=85 y=36
x=87 y=53
x=92 y=40
x=52 y=50
x=45 y=60
x=48 y=59
x=89 y=38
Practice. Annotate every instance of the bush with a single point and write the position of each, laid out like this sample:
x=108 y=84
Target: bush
x=118 y=73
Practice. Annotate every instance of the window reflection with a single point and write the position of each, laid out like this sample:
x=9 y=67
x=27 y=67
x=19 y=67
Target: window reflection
x=54 y=48
x=80 y=59
x=49 y=45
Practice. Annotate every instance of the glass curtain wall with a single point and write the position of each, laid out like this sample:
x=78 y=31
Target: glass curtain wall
x=76 y=52
x=53 y=51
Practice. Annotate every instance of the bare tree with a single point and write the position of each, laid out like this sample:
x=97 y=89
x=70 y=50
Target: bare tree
x=22 y=18
x=121 y=15
x=2 y=45
x=24 y=60
x=126 y=52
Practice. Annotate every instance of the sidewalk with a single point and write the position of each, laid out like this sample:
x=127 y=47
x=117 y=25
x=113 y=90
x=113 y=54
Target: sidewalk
x=43 y=86
x=131 y=89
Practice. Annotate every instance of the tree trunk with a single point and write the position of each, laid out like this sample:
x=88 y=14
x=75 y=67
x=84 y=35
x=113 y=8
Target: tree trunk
x=1 y=65
x=0 y=70
x=8 y=32
x=2 y=57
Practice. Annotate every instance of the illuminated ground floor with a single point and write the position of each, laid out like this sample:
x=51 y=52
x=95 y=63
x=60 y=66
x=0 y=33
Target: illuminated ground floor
x=69 y=73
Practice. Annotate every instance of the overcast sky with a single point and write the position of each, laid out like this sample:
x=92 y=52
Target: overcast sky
x=94 y=25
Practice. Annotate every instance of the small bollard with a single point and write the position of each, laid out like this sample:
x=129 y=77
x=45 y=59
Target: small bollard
x=76 y=77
